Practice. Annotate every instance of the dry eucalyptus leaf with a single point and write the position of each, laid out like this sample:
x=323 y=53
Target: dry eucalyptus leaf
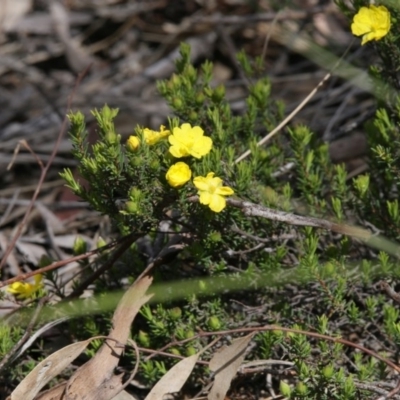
x=125 y=396
x=225 y=364
x=95 y=380
x=12 y=11
x=77 y=57
x=55 y=393
x=47 y=370
x=174 y=379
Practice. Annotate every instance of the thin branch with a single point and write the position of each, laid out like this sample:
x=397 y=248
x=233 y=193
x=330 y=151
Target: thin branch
x=389 y=291
x=256 y=210
x=298 y=108
x=127 y=242
x=58 y=264
x=26 y=334
x=43 y=173
x=25 y=144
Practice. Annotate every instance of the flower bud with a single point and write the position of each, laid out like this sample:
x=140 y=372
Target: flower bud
x=111 y=137
x=175 y=80
x=191 y=73
x=101 y=243
x=219 y=93
x=190 y=351
x=132 y=207
x=79 y=246
x=285 y=389
x=178 y=174
x=175 y=313
x=193 y=115
x=133 y=143
x=189 y=334
x=301 y=388
x=135 y=193
x=214 y=323
x=328 y=371
x=177 y=103
x=174 y=350
x=144 y=339
x=215 y=237
x=200 y=98
x=155 y=165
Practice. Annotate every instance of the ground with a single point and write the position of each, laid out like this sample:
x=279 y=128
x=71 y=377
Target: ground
x=81 y=55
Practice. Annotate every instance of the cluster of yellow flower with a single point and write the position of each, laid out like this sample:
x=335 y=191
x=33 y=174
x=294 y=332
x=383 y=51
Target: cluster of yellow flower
x=24 y=290
x=149 y=136
x=188 y=141
x=372 y=23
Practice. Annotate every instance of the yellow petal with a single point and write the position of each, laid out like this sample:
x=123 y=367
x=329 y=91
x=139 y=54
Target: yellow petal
x=224 y=191
x=16 y=287
x=201 y=147
x=178 y=174
x=201 y=183
x=373 y=23
x=217 y=203
x=38 y=281
x=133 y=143
x=178 y=151
x=205 y=198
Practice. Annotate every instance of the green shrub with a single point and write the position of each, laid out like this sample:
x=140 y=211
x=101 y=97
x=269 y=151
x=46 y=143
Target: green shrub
x=192 y=225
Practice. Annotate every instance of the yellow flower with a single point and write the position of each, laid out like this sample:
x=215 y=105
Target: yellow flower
x=24 y=290
x=187 y=141
x=212 y=192
x=133 y=143
x=178 y=174
x=372 y=23
x=152 y=137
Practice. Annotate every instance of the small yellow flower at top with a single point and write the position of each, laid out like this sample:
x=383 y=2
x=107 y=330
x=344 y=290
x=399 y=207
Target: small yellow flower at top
x=189 y=141
x=24 y=290
x=152 y=137
x=178 y=174
x=372 y=23
x=212 y=192
x=133 y=143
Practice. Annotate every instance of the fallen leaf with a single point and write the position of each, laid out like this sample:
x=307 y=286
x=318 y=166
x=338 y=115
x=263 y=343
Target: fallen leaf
x=47 y=370
x=124 y=396
x=174 y=379
x=77 y=57
x=55 y=393
x=225 y=364
x=11 y=13
x=95 y=380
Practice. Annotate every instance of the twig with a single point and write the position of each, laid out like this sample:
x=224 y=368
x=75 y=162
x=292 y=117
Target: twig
x=126 y=243
x=43 y=173
x=264 y=240
x=256 y=210
x=373 y=388
x=297 y=109
x=25 y=144
x=315 y=335
x=161 y=259
x=389 y=291
x=57 y=264
x=11 y=203
x=26 y=334
x=220 y=19
x=287 y=119
x=269 y=34
x=391 y=393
